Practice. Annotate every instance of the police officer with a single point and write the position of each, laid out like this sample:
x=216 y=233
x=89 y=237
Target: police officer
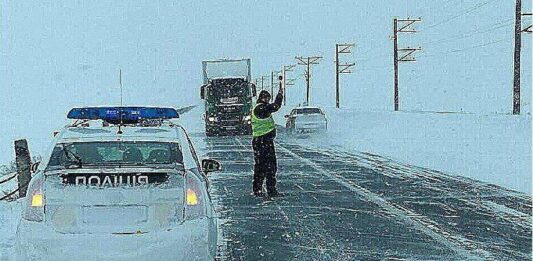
x=264 y=132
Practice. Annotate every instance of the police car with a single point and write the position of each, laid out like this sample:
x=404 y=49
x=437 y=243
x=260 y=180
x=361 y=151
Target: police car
x=120 y=183
x=306 y=119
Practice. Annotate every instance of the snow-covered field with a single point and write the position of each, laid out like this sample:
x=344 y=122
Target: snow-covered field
x=9 y=217
x=492 y=148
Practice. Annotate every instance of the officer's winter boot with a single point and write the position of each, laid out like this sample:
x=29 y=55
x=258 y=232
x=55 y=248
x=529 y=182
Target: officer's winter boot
x=273 y=192
x=258 y=187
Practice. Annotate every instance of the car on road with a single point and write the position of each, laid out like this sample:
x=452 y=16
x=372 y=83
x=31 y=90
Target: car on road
x=120 y=183
x=306 y=119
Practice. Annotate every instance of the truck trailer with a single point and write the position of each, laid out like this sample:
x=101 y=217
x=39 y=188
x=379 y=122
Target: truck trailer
x=227 y=92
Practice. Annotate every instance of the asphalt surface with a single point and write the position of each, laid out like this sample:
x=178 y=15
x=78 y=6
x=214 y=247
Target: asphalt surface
x=358 y=206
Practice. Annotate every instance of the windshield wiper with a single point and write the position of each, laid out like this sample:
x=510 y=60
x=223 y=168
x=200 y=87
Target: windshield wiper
x=157 y=165
x=70 y=155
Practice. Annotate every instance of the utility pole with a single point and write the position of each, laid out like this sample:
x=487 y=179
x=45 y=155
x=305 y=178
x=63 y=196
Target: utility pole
x=272 y=81
x=402 y=26
x=262 y=82
x=517 y=51
x=341 y=68
x=308 y=61
x=284 y=70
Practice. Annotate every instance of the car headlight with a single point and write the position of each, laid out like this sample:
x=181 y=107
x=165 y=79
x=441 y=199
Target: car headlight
x=212 y=119
x=247 y=118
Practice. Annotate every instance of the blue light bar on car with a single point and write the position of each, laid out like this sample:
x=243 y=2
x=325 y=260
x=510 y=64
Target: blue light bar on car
x=129 y=114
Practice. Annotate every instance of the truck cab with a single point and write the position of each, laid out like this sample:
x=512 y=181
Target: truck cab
x=227 y=93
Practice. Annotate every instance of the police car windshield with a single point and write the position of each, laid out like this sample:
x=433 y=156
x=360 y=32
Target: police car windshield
x=115 y=153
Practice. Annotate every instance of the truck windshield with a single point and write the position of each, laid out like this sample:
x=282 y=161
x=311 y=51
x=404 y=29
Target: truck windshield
x=127 y=153
x=226 y=88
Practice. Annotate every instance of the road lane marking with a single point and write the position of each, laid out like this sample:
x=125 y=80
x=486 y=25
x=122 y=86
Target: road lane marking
x=397 y=170
x=425 y=226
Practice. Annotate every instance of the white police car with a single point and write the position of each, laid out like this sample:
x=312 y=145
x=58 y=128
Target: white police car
x=306 y=119
x=121 y=183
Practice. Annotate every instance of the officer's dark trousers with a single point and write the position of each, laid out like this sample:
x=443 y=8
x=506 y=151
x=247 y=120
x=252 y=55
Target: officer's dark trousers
x=265 y=163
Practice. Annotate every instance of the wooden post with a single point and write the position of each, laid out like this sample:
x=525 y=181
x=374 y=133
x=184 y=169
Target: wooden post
x=23 y=162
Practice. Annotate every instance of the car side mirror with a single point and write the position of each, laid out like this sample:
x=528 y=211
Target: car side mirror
x=210 y=165
x=202 y=92
x=34 y=167
x=286 y=116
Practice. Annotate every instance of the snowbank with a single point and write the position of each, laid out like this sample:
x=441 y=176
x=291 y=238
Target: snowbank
x=491 y=148
x=9 y=218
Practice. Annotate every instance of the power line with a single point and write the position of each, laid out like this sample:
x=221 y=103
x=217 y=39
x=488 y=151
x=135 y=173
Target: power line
x=507 y=39
x=467 y=34
x=466 y=49
x=461 y=13
x=435 y=9
x=480 y=45
x=473 y=32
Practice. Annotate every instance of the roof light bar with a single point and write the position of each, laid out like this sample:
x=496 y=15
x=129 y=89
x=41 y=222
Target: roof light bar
x=129 y=114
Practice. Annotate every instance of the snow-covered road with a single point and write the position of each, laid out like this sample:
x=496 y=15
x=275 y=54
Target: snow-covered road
x=349 y=206
x=345 y=206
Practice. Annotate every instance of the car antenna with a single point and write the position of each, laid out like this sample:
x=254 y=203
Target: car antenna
x=120 y=108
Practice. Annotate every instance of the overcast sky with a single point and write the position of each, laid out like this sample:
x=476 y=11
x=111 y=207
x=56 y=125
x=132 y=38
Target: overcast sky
x=58 y=54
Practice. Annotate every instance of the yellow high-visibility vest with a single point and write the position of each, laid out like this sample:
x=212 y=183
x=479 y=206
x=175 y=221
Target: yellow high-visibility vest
x=261 y=127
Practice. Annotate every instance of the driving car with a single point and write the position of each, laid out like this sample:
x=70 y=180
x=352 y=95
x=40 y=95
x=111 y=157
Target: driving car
x=306 y=119
x=119 y=183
